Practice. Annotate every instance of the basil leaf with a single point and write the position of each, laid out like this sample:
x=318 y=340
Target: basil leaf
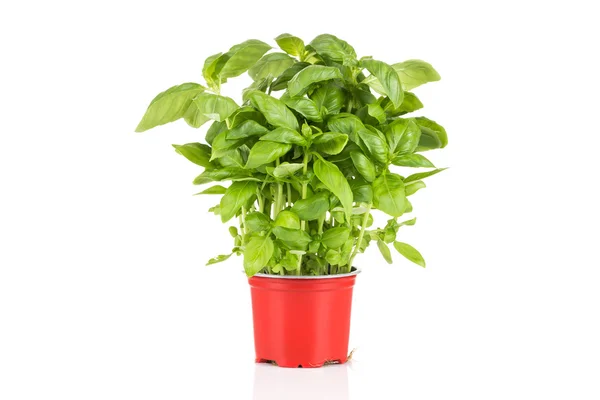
x=221 y=175
x=375 y=111
x=331 y=97
x=334 y=238
x=237 y=195
x=260 y=85
x=313 y=207
x=215 y=107
x=309 y=75
x=385 y=251
x=287 y=219
x=334 y=48
x=409 y=104
x=362 y=190
x=388 y=79
x=246 y=129
x=246 y=113
x=304 y=106
x=363 y=165
x=284 y=135
x=257 y=254
x=197 y=153
x=336 y=182
x=218 y=259
x=375 y=143
x=412 y=187
x=330 y=142
x=402 y=136
x=414 y=73
x=272 y=65
x=265 y=152
x=282 y=82
x=257 y=222
x=214 y=130
x=211 y=66
x=217 y=189
x=286 y=169
x=422 y=175
x=293 y=238
x=410 y=253
x=433 y=135
x=169 y=105
x=290 y=44
x=241 y=57
x=388 y=194
x=221 y=145
x=412 y=160
x=275 y=111
x=346 y=123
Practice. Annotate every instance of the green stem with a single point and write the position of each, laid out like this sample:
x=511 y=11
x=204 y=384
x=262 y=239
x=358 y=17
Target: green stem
x=261 y=202
x=321 y=222
x=360 y=235
x=279 y=196
x=243 y=224
x=289 y=194
x=304 y=190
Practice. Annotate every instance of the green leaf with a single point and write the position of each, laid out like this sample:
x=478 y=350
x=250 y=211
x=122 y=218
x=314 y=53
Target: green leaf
x=334 y=48
x=237 y=195
x=221 y=175
x=304 y=106
x=410 y=253
x=274 y=110
x=257 y=222
x=194 y=118
x=331 y=97
x=218 y=259
x=286 y=169
x=211 y=66
x=260 y=85
x=433 y=135
x=221 y=145
x=409 y=104
x=412 y=160
x=290 y=44
x=387 y=78
x=346 y=123
x=336 y=182
x=272 y=64
x=402 y=136
x=309 y=75
x=284 y=135
x=362 y=190
x=412 y=187
x=246 y=129
x=388 y=194
x=294 y=238
x=214 y=130
x=385 y=251
x=169 y=105
x=265 y=152
x=217 y=189
x=313 y=207
x=363 y=165
x=422 y=175
x=282 y=82
x=330 y=142
x=408 y=222
x=246 y=113
x=241 y=57
x=257 y=254
x=334 y=238
x=333 y=257
x=375 y=111
x=414 y=73
x=287 y=219
x=375 y=143
x=197 y=153
x=215 y=107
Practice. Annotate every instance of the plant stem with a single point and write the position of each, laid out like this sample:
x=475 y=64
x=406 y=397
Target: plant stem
x=279 y=196
x=243 y=224
x=363 y=226
x=321 y=222
x=289 y=194
x=304 y=190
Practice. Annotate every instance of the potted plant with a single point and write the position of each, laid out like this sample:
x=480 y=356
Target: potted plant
x=310 y=151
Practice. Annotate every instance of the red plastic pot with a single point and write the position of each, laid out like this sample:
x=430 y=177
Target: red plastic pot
x=302 y=321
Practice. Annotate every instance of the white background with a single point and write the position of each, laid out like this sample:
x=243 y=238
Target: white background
x=103 y=289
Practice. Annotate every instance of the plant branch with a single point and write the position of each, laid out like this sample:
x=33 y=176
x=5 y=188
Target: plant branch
x=363 y=226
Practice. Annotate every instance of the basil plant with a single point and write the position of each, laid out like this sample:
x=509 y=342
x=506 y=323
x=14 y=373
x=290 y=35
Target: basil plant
x=309 y=150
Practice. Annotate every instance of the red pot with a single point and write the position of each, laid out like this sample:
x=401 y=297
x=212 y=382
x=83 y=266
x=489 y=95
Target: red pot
x=302 y=321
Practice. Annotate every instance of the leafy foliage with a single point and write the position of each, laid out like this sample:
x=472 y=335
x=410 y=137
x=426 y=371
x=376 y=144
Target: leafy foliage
x=310 y=166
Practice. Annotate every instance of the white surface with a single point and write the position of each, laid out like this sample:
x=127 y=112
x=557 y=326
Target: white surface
x=103 y=292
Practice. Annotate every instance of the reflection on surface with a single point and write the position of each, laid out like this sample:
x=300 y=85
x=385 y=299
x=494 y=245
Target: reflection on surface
x=274 y=383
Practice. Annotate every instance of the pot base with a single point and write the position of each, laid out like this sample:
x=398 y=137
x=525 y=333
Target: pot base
x=291 y=365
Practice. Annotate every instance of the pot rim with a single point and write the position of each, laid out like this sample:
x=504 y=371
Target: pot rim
x=353 y=271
